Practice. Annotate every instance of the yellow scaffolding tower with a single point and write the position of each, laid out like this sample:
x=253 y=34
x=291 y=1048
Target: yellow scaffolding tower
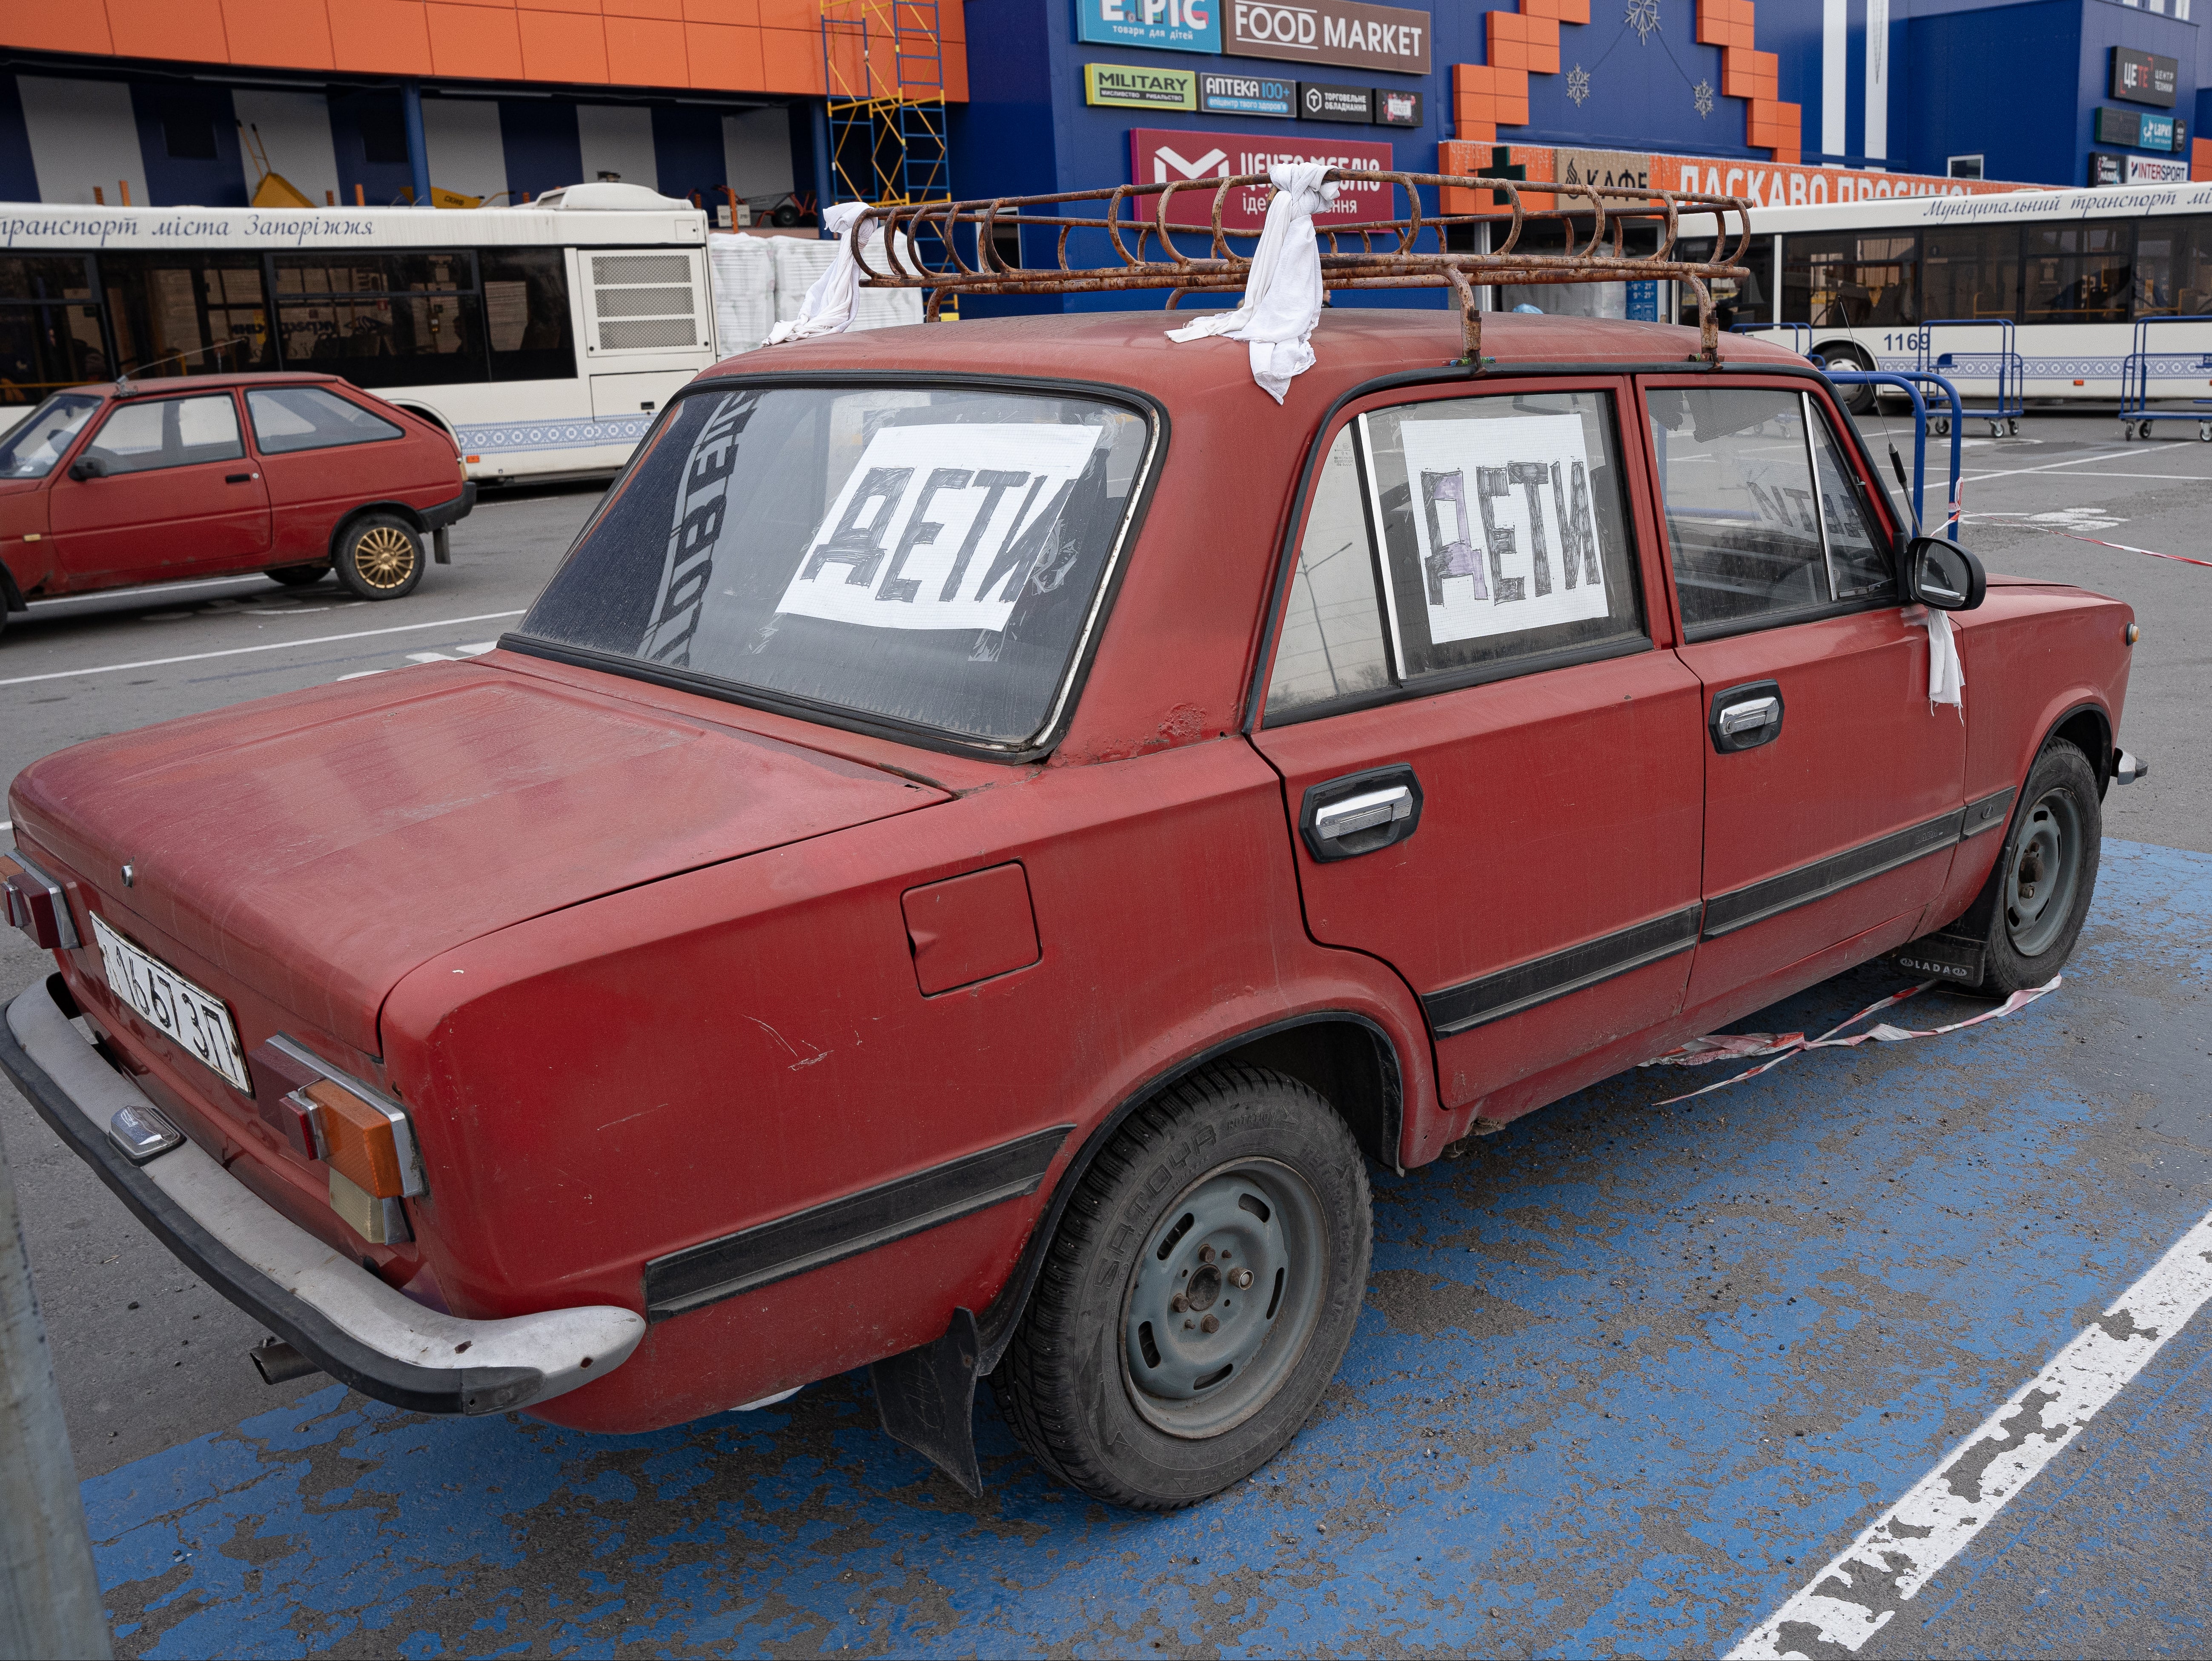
x=883 y=70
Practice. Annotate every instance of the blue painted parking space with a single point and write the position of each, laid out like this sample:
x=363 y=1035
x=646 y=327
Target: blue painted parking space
x=1627 y=1376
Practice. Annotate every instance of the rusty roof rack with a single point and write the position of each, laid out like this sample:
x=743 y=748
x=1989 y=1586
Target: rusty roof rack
x=1386 y=257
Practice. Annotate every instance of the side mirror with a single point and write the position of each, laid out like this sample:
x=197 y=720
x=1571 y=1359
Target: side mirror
x=1941 y=573
x=88 y=467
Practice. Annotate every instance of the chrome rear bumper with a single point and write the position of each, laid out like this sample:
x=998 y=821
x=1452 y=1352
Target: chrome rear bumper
x=329 y=1308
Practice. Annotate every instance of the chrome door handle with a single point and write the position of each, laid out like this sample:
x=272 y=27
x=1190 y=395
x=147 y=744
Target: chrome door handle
x=1364 y=812
x=1748 y=716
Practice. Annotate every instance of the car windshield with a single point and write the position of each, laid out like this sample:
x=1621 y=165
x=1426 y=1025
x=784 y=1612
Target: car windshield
x=30 y=450
x=931 y=557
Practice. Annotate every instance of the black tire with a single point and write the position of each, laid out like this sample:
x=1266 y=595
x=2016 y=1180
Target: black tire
x=1859 y=400
x=380 y=557
x=2051 y=849
x=1287 y=1190
x=299 y=576
x=783 y=214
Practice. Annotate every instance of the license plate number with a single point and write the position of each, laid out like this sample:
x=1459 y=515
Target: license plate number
x=190 y=1015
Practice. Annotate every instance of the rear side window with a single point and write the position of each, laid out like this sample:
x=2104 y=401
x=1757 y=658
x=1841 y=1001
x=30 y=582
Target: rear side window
x=172 y=431
x=1753 y=539
x=288 y=418
x=1491 y=529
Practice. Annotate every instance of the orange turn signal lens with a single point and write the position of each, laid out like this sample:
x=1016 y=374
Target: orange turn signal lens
x=357 y=1140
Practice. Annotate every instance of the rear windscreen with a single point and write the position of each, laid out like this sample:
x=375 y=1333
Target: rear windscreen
x=931 y=557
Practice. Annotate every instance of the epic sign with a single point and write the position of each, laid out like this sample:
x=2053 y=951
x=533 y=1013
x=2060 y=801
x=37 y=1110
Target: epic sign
x=1328 y=32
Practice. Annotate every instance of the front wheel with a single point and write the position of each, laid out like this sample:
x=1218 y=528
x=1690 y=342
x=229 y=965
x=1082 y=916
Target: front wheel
x=380 y=557
x=1858 y=399
x=2047 y=873
x=1198 y=1295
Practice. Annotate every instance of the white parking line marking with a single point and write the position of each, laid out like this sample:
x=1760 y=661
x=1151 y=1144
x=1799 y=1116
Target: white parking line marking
x=272 y=646
x=1865 y=1584
x=1969 y=475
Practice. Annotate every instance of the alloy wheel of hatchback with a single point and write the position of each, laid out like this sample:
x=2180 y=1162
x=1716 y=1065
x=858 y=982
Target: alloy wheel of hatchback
x=1198 y=1292
x=380 y=557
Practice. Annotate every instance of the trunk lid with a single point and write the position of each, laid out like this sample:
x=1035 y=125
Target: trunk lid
x=319 y=846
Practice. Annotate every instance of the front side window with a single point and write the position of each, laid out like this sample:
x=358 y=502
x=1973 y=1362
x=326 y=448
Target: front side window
x=169 y=432
x=288 y=418
x=30 y=449
x=1753 y=539
x=930 y=557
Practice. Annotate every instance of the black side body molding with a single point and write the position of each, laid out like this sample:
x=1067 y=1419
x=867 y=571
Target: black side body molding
x=1824 y=877
x=1508 y=991
x=829 y=1233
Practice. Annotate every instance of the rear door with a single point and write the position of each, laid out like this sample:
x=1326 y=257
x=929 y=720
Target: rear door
x=179 y=495
x=1832 y=787
x=323 y=453
x=1492 y=769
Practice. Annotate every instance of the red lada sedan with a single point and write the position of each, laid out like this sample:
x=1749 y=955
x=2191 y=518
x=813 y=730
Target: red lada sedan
x=118 y=483
x=991 y=827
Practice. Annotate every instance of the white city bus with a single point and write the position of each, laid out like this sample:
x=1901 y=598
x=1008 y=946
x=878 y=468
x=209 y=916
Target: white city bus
x=2056 y=291
x=542 y=338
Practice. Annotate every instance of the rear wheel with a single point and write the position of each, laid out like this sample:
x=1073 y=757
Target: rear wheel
x=1859 y=400
x=2047 y=874
x=1198 y=1295
x=299 y=576
x=380 y=557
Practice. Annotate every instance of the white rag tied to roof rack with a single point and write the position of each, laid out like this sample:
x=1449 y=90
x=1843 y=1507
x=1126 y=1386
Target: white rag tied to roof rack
x=1283 y=294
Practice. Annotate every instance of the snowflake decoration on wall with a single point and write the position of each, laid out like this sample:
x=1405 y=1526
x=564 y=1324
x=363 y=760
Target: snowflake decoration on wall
x=1643 y=18
x=1578 y=84
x=1703 y=97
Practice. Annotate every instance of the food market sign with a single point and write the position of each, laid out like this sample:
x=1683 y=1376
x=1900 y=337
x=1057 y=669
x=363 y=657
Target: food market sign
x=1328 y=32
x=1160 y=156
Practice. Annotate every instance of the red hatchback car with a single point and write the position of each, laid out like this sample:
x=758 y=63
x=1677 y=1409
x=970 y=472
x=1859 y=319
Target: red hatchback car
x=110 y=485
x=988 y=828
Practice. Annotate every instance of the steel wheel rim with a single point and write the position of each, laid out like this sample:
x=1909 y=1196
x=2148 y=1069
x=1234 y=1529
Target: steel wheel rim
x=385 y=556
x=1194 y=1384
x=2044 y=872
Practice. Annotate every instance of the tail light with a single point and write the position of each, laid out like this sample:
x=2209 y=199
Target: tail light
x=367 y=1142
x=36 y=905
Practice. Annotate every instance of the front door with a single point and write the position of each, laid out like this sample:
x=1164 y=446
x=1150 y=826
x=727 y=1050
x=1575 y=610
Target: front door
x=1832 y=787
x=177 y=495
x=1492 y=772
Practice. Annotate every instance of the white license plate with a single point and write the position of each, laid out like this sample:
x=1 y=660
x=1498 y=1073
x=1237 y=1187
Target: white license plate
x=194 y=1018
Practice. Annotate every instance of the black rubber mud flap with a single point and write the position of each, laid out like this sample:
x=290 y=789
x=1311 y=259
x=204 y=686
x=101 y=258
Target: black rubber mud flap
x=1957 y=959
x=926 y=1398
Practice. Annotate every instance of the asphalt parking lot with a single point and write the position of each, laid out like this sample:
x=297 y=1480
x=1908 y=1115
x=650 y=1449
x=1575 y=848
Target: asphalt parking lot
x=1629 y=1377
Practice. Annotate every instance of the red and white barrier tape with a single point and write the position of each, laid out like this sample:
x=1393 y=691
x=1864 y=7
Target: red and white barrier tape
x=2099 y=541
x=1783 y=1045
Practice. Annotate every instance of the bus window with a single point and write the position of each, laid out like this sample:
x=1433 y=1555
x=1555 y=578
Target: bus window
x=1849 y=281
x=47 y=341
x=2079 y=273
x=525 y=299
x=398 y=319
x=1735 y=300
x=200 y=314
x=2174 y=268
x=1970 y=271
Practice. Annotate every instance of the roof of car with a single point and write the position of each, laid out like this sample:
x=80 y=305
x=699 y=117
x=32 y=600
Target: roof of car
x=204 y=382
x=1352 y=344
